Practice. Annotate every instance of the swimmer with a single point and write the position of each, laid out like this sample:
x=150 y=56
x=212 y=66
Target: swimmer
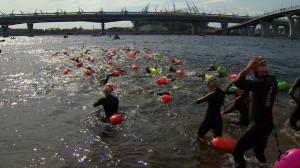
x=263 y=93
x=241 y=103
x=213 y=120
x=296 y=113
x=110 y=104
x=211 y=68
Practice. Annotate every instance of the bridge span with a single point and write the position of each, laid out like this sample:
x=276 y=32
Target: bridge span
x=244 y=23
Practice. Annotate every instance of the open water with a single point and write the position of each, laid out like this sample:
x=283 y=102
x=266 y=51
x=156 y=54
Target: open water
x=47 y=118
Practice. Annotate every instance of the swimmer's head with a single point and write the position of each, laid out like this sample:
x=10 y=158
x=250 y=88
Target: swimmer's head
x=107 y=90
x=212 y=66
x=260 y=64
x=169 y=76
x=211 y=81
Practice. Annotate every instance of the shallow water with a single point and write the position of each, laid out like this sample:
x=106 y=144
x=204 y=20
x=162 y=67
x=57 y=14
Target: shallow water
x=47 y=118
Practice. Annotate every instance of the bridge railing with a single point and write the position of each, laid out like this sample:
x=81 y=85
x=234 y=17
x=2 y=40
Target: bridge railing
x=123 y=12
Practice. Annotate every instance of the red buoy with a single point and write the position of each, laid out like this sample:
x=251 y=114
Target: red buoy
x=95 y=47
x=132 y=56
x=161 y=80
x=105 y=50
x=128 y=49
x=223 y=143
x=115 y=119
x=165 y=97
x=65 y=71
x=88 y=72
x=233 y=76
x=178 y=62
x=80 y=64
x=117 y=72
x=114 y=51
x=135 y=67
x=92 y=60
x=109 y=85
x=109 y=63
x=179 y=72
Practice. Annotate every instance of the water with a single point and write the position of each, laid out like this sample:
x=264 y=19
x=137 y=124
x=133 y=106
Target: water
x=47 y=118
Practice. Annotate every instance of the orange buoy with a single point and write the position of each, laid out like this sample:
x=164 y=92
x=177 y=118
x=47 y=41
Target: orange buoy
x=177 y=62
x=109 y=63
x=161 y=80
x=109 y=85
x=223 y=143
x=128 y=49
x=88 y=72
x=95 y=47
x=179 y=72
x=233 y=76
x=92 y=60
x=165 y=97
x=105 y=50
x=115 y=119
x=67 y=54
x=135 y=67
x=80 y=64
x=114 y=51
x=65 y=71
x=117 y=72
x=132 y=56
x=88 y=52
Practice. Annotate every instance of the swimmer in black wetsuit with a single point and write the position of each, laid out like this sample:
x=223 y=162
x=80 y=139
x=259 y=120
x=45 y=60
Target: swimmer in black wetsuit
x=213 y=120
x=263 y=92
x=296 y=113
x=110 y=103
x=241 y=103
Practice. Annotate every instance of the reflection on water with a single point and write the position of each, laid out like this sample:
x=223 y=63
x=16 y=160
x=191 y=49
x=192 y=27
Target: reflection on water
x=47 y=118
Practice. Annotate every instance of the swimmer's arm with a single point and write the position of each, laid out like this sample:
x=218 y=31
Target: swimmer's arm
x=294 y=88
x=205 y=98
x=98 y=103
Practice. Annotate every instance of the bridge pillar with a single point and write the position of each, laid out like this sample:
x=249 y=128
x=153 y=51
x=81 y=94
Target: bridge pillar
x=4 y=30
x=275 y=30
x=251 y=30
x=194 y=28
x=136 y=26
x=224 y=28
x=103 y=29
x=294 y=27
x=30 y=29
x=265 y=28
x=286 y=30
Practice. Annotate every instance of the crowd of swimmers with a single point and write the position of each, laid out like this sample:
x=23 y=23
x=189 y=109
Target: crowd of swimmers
x=254 y=96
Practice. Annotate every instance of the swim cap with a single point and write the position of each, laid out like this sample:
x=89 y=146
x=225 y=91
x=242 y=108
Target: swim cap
x=261 y=64
x=211 y=80
x=107 y=90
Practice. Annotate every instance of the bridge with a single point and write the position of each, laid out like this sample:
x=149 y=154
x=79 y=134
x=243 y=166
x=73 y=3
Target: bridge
x=135 y=17
x=291 y=23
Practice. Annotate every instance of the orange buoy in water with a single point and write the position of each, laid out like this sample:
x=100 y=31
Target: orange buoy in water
x=177 y=62
x=117 y=72
x=115 y=119
x=132 y=56
x=65 y=71
x=135 y=67
x=161 y=80
x=114 y=51
x=223 y=143
x=109 y=63
x=88 y=72
x=233 y=76
x=165 y=97
x=92 y=60
x=109 y=85
x=67 y=54
x=179 y=72
x=80 y=64
x=95 y=47
x=105 y=50
x=128 y=49
x=88 y=52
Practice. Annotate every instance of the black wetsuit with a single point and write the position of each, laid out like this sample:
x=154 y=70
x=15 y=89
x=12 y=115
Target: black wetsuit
x=263 y=92
x=110 y=104
x=213 y=119
x=241 y=103
x=296 y=113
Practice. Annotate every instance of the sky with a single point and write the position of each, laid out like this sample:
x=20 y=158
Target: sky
x=239 y=7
